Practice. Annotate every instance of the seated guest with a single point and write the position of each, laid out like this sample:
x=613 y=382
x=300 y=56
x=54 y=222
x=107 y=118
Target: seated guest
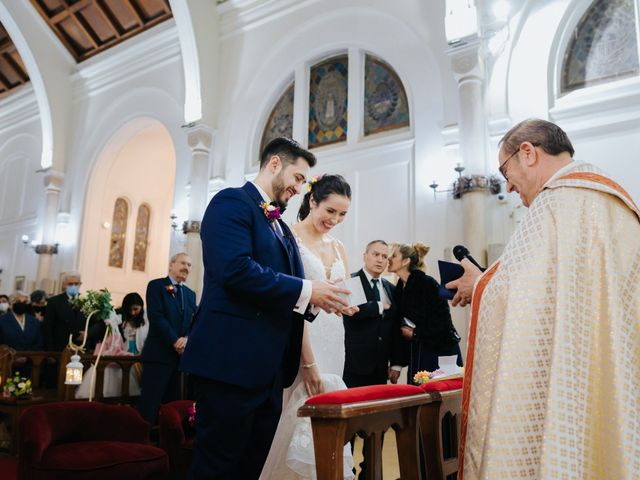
x=38 y=304
x=425 y=317
x=4 y=304
x=127 y=340
x=61 y=319
x=135 y=326
x=18 y=329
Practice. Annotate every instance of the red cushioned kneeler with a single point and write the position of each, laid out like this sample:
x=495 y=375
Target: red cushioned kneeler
x=442 y=385
x=175 y=439
x=87 y=440
x=363 y=394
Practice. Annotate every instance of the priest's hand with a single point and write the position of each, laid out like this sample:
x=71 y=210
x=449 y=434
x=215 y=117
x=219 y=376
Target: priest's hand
x=464 y=284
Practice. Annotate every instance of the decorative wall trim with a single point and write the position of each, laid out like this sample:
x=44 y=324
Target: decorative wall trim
x=145 y=52
x=237 y=16
x=600 y=108
x=19 y=108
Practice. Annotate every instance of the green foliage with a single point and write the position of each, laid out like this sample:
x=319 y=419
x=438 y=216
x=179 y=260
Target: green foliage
x=94 y=301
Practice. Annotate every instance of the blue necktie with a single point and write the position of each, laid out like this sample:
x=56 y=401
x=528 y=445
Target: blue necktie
x=180 y=297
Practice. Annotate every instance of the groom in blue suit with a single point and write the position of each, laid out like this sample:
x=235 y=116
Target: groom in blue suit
x=245 y=343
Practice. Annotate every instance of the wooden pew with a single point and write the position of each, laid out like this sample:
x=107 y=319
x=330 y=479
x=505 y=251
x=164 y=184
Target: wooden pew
x=125 y=362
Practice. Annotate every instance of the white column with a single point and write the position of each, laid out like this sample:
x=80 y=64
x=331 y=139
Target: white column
x=469 y=72
x=53 y=185
x=200 y=140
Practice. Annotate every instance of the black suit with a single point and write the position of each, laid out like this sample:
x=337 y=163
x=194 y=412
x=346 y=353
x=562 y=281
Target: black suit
x=372 y=340
x=60 y=321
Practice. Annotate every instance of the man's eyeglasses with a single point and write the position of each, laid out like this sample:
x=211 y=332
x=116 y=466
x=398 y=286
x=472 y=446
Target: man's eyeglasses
x=502 y=168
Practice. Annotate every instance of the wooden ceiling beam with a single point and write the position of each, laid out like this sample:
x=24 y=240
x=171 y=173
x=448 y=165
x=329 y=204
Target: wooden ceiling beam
x=68 y=11
x=5 y=82
x=134 y=11
x=109 y=17
x=95 y=42
x=16 y=67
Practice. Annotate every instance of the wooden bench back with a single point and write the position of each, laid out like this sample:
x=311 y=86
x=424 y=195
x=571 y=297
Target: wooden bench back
x=36 y=359
x=125 y=363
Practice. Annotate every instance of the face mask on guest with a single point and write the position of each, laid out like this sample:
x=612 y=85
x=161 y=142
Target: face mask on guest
x=4 y=307
x=20 y=308
x=73 y=290
x=40 y=310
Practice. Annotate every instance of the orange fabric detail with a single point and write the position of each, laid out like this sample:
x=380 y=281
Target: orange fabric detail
x=601 y=179
x=468 y=367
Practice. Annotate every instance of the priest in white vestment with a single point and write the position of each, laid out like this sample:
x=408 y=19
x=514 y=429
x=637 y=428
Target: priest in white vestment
x=551 y=388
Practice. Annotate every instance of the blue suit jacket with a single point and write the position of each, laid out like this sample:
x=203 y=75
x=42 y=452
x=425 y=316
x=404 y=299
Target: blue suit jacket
x=11 y=334
x=168 y=320
x=245 y=331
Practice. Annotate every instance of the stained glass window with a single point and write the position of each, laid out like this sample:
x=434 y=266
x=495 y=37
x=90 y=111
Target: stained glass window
x=604 y=46
x=118 y=233
x=385 y=101
x=142 y=237
x=328 y=102
x=280 y=122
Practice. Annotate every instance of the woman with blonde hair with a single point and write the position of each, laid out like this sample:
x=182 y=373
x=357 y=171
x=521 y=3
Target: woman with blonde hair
x=426 y=320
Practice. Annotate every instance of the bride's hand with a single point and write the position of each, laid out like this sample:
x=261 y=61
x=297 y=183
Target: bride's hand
x=312 y=381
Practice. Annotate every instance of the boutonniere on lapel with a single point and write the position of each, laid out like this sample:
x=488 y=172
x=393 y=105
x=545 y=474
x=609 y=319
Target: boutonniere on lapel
x=171 y=290
x=270 y=211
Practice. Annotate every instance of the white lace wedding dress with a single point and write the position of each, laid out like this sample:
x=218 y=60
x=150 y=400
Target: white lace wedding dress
x=291 y=456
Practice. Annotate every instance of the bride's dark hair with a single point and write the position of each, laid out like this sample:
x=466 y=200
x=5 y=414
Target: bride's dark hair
x=321 y=189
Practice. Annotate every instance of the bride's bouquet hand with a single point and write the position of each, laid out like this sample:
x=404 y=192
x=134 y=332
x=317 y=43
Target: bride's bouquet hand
x=312 y=381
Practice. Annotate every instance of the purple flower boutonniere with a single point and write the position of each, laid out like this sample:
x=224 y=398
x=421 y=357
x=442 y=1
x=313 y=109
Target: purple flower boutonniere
x=171 y=290
x=270 y=211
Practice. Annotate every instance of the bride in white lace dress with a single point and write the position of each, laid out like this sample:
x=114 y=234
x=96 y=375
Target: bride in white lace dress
x=322 y=359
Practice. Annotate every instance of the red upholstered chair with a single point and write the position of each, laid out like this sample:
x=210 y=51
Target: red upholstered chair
x=336 y=416
x=440 y=427
x=175 y=439
x=83 y=440
x=8 y=468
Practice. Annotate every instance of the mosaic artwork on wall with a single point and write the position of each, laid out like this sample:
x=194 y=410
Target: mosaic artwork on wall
x=385 y=100
x=118 y=233
x=142 y=238
x=328 y=102
x=604 y=47
x=280 y=122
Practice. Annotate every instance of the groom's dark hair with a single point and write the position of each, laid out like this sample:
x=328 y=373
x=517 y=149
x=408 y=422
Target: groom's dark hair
x=288 y=150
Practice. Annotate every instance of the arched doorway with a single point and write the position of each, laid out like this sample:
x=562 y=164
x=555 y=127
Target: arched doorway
x=126 y=233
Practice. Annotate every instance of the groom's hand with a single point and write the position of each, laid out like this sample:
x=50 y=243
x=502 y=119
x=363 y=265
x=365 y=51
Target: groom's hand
x=327 y=296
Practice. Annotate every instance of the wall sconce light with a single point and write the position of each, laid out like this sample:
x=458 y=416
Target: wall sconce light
x=39 y=248
x=174 y=221
x=469 y=183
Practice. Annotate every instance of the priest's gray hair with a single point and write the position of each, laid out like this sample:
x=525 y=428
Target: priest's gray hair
x=541 y=133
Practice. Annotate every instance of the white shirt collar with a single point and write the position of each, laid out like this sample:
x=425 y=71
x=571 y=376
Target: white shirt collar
x=371 y=277
x=262 y=193
x=174 y=281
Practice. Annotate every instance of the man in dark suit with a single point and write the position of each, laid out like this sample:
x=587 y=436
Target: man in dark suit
x=374 y=350
x=61 y=319
x=170 y=308
x=245 y=343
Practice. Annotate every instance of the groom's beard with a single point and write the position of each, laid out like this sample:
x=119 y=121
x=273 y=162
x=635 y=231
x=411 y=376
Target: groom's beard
x=278 y=189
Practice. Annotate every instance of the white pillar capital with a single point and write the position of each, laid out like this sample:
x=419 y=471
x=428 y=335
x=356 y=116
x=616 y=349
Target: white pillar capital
x=53 y=179
x=466 y=63
x=199 y=138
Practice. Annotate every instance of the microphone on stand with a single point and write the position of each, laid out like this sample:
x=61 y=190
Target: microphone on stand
x=460 y=252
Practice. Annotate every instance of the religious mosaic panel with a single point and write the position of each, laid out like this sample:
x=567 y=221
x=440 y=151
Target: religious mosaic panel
x=385 y=101
x=280 y=122
x=118 y=233
x=142 y=237
x=328 y=102
x=604 y=46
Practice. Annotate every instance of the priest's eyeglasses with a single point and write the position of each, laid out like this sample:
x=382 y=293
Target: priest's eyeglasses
x=502 y=168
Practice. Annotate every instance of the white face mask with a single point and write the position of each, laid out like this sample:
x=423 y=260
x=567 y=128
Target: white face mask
x=4 y=307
